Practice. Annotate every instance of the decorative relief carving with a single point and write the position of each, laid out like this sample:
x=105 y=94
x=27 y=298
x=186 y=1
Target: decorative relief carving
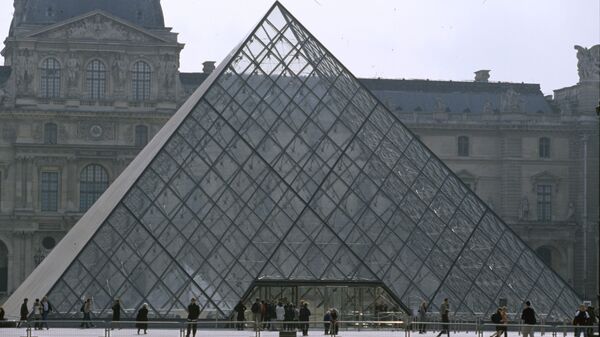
x=96 y=131
x=588 y=63
x=98 y=27
x=511 y=101
x=167 y=74
x=24 y=71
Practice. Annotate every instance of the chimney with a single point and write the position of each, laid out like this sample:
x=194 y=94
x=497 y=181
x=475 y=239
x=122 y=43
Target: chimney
x=208 y=67
x=482 y=75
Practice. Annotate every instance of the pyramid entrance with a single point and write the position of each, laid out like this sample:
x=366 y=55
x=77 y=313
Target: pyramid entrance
x=358 y=301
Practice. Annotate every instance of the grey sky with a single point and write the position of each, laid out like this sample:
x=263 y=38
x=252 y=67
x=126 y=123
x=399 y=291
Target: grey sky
x=519 y=40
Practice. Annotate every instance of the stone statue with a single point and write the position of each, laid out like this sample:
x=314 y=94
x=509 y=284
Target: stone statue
x=510 y=101
x=571 y=212
x=73 y=70
x=119 y=71
x=524 y=208
x=24 y=71
x=488 y=108
x=439 y=106
x=588 y=63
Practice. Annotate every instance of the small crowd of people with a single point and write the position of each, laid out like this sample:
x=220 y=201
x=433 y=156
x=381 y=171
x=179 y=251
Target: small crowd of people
x=39 y=311
x=585 y=316
x=276 y=316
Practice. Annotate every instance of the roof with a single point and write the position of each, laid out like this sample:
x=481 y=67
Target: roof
x=403 y=96
x=145 y=13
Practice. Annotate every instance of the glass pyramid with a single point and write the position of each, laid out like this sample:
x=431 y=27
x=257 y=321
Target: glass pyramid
x=282 y=166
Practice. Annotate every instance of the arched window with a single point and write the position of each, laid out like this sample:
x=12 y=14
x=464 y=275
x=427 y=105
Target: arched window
x=96 y=80
x=3 y=268
x=50 y=133
x=92 y=183
x=463 y=146
x=141 y=135
x=50 y=78
x=140 y=81
x=544 y=147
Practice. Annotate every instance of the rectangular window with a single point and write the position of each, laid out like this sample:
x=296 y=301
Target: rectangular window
x=544 y=202
x=49 y=191
x=463 y=146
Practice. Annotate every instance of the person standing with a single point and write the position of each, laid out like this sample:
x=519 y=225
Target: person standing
x=334 y=327
x=1 y=313
x=280 y=315
x=422 y=317
x=581 y=318
x=36 y=310
x=141 y=320
x=24 y=313
x=86 y=308
x=256 y=309
x=327 y=321
x=116 y=314
x=528 y=317
x=591 y=321
x=444 y=312
x=304 y=316
x=193 y=310
x=497 y=319
x=240 y=308
x=47 y=309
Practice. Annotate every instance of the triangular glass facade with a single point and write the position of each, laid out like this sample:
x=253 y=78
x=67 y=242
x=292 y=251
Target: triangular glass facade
x=287 y=168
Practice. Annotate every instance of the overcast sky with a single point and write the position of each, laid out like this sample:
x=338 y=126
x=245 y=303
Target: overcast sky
x=519 y=40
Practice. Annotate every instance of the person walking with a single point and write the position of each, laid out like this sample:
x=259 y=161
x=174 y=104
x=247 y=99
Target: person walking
x=36 y=310
x=497 y=319
x=193 y=310
x=240 y=308
x=116 y=314
x=327 y=321
x=46 y=310
x=581 y=318
x=24 y=313
x=256 y=316
x=528 y=318
x=1 y=313
x=304 y=316
x=422 y=317
x=141 y=320
x=444 y=312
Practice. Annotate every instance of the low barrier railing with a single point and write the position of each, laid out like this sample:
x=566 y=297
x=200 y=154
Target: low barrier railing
x=399 y=328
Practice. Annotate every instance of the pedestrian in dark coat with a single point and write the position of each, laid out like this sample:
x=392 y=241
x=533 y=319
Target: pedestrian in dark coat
x=24 y=313
x=303 y=318
x=116 y=313
x=240 y=308
x=327 y=321
x=141 y=319
x=333 y=329
x=193 y=313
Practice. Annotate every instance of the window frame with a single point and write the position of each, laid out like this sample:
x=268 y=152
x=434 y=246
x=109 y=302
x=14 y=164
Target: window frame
x=544 y=147
x=49 y=191
x=91 y=189
x=463 y=148
x=139 y=142
x=50 y=133
x=50 y=78
x=141 y=81
x=544 y=204
x=95 y=79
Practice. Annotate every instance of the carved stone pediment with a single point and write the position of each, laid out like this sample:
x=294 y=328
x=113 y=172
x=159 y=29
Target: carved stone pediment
x=96 y=25
x=545 y=177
